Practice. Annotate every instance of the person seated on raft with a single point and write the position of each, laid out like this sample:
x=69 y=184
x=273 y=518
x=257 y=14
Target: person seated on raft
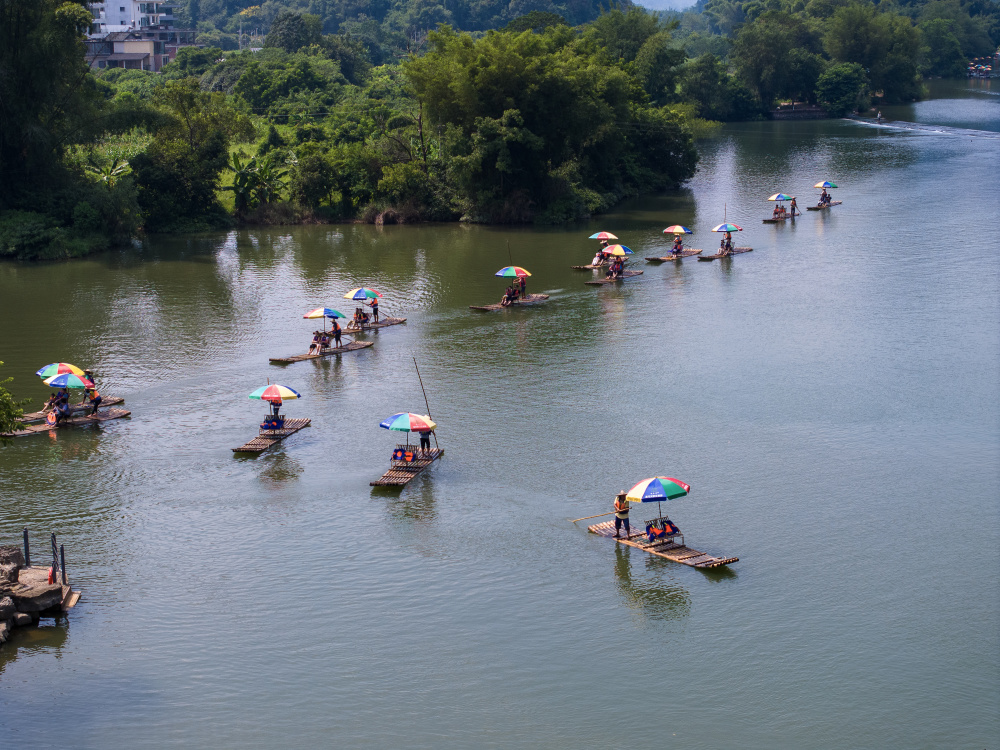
x=324 y=341
x=315 y=346
x=357 y=317
x=62 y=410
x=598 y=259
x=678 y=245
x=508 y=296
x=50 y=404
x=824 y=197
x=779 y=212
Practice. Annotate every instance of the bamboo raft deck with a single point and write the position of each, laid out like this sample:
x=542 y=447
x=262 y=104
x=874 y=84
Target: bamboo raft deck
x=383 y=323
x=531 y=299
x=266 y=438
x=668 y=549
x=779 y=221
x=401 y=473
x=675 y=256
x=734 y=251
x=37 y=416
x=827 y=205
x=101 y=416
x=625 y=275
x=589 y=267
x=353 y=346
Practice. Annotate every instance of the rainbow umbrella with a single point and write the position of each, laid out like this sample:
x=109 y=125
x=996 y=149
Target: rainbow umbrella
x=619 y=251
x=68 y=380
x=58 y=368
x=676 y=229
x=602 y=236
x=824 y=184
x=362 y=292
x=274 y=393
x=781 y=197
x=727 y=228
x=324 y=312
x=656 y=490
x=510 y=272
x=407 y=422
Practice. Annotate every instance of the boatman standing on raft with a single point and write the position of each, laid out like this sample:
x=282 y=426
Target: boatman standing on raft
x=621 y=514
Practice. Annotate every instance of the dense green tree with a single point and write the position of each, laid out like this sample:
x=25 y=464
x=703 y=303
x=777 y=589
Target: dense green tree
x=544 y=127
x=657 y=66
x=971 y=33
x=774 y=56
x=178 y=175
x=943 y=51
x=10 y=410
x=886 y=45
x=192 y=61
x=536 y=20
x=841 y=88
x=47 y=98
x=705 y=82
x=292 y=31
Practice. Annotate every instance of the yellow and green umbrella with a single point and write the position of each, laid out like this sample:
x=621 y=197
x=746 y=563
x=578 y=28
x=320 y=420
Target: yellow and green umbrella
x=512 y=272
x=274 y=393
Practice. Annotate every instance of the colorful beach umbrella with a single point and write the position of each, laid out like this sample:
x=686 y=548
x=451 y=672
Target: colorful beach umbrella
x=58 y=368
x=68 y=380
x=362 y=292
x=676 y=229
x=407 y=422
x=781 y=197
x=727 y=228
x=510 y=272
x=619 y=251
x=274 y=392
x=824 y=184
x=657 y=489
x=602 y=236
x=324 y=312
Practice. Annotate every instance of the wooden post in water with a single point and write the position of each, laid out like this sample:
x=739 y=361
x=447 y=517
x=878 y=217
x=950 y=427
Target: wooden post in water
x=425 y=398
x=55 y=555
x=62 y=562
x=27 y=549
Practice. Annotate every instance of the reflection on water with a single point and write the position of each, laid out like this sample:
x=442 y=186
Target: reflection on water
x=48 y=638
x=277 y=467
x=650 y=591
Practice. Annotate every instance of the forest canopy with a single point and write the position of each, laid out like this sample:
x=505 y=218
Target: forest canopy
x=408 y=110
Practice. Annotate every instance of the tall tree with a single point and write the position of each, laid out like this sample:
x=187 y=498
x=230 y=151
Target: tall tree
x=47 y=98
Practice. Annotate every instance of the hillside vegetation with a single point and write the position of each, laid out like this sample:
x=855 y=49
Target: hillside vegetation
x=408 y=111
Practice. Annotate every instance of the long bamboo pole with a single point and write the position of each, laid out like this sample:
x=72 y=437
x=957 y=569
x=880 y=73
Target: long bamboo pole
x=425 y=398
x=597 y=516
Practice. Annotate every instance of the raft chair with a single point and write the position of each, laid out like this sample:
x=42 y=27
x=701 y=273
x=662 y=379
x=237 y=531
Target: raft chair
x=662 y=529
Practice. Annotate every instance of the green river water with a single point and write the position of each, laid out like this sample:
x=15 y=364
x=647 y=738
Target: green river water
x=833 y=398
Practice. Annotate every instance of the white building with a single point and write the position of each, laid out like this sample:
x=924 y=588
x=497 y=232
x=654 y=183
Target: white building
x=130 y=15
x=134 y=34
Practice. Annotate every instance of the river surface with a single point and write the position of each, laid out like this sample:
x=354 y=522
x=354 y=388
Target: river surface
x=833 y=398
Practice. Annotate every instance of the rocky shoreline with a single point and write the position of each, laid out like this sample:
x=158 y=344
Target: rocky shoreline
x=28 y=593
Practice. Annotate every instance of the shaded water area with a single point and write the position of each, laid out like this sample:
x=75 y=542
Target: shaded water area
x=832 y=397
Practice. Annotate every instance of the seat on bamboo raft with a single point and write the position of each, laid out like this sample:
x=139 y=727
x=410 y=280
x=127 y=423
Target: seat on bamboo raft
x=405 y=454
x=661 y=529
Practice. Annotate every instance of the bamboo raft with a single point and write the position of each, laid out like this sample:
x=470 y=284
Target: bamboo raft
x=675 y=256
x=666 y=548
x=401 y=473
x=826 y=205
x=589 y=267
x=353 y=346
x=37 y=416
x=531 y=299
x=383 y=323
x=779 y=221
x=101 y=416
x=266 y=438
x=625 y=275
x=734 y=251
